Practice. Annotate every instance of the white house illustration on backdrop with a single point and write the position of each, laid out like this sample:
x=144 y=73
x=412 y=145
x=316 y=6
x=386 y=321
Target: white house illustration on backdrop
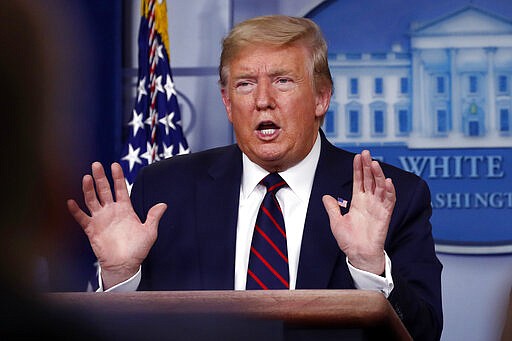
x=453 y=89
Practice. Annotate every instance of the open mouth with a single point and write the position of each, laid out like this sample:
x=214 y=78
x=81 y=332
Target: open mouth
x=267 y=128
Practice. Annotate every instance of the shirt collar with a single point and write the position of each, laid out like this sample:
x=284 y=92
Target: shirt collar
x=299 y=177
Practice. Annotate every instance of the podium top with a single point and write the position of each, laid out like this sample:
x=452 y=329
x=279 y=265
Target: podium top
x=312 y=308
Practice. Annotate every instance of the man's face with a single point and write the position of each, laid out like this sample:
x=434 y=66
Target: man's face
x=272 y=104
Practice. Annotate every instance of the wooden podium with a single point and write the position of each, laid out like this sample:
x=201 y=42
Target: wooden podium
x=234 y=315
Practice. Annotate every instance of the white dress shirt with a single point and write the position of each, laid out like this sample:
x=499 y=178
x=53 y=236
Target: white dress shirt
x=293 y=200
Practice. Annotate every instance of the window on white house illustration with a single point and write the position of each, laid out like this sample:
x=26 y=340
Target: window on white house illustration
x=504 y=120
x=474 y=128
x=353 y=119
x=329 y=126
x=502 y=84
x=473 y=84
x=442 y=121
x=353 y=123
x=378 y=118
x=354 y=87
x=378 y=86
x=474 y=118
x=378 y=122
x=404 y=121
x=440 y=85
x=404 y=85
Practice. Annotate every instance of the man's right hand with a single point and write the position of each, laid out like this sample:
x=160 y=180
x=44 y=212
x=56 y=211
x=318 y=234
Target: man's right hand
x=118 y=238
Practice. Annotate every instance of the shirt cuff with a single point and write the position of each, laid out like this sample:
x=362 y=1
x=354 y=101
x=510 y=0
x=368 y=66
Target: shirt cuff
x=130 y=285
x=365 y=280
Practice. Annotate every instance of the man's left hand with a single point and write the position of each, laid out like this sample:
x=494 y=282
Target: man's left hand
x=361 y=232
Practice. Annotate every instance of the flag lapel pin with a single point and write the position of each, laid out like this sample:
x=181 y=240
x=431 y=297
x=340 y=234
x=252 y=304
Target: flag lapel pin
x=342 y=202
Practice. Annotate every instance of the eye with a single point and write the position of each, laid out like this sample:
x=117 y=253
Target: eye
x=244 y=86
x=284 y=83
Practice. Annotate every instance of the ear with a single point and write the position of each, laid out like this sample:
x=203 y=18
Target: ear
x=227 y=102
x=323 y=99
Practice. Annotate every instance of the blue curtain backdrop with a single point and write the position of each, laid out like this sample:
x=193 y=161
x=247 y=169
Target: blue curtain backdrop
x=70 y=260
x=104 y=20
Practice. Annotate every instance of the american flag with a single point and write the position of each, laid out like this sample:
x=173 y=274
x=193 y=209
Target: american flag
x=342 y=202
x=155 y=131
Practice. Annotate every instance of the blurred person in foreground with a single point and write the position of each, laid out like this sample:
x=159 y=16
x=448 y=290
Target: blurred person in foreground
x=276 y=87
x=38 y=165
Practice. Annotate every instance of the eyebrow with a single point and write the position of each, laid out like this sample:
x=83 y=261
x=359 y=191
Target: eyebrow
x=274 y=73
x=281 y=72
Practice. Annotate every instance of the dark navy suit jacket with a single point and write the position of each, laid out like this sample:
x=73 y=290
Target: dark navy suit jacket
x=195 y=248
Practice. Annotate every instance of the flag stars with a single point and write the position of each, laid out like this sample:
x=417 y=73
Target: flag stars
x=182 y=150
x=159 y=53
x=167 y=122
x=141 y=89
x=136 y=122
x=170 y=151
x=158 y=84
x=148 y=155
x=149 y=121
x=167 y=151
x=169 y=87
x=132 y=157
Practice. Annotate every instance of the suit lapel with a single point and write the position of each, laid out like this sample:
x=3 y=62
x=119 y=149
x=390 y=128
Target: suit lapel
x=319 y=251
x=217 y=196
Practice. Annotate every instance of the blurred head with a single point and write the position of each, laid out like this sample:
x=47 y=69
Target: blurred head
x=47 y=141
x=276 y=87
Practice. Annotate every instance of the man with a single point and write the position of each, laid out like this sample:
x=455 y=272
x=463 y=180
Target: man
x=276 y=87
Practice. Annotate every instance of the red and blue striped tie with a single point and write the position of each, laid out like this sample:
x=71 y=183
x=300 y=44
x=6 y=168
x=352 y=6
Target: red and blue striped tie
x=268 y=260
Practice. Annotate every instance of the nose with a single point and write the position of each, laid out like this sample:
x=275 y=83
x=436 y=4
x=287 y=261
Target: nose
x=264 y=95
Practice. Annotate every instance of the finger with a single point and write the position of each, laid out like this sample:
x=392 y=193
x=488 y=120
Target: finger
x=102 y=184
x=390 y=192
x=119 y=183
x=357 y=185
x=90 y=198
x=368 y=181
x=80 y=216
x=380 y=180
x=332 y=208
x=154 y=215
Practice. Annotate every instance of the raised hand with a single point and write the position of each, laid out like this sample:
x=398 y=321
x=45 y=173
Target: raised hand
x=118 y=238
x=361 y=232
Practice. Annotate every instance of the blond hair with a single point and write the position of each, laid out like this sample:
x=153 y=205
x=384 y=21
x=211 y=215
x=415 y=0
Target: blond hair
x=278 y=30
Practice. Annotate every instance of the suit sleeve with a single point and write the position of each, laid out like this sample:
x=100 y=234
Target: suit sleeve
x=416 y=270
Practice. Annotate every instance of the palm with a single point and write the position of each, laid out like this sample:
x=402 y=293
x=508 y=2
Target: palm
x=118 y=238
x=361 y=232
x=116 y=235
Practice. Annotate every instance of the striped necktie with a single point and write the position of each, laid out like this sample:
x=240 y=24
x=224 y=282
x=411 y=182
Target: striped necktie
x=268 y=259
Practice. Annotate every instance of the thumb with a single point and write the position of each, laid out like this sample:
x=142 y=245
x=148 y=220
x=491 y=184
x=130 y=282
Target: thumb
x=154 y=215
x=332 y=208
